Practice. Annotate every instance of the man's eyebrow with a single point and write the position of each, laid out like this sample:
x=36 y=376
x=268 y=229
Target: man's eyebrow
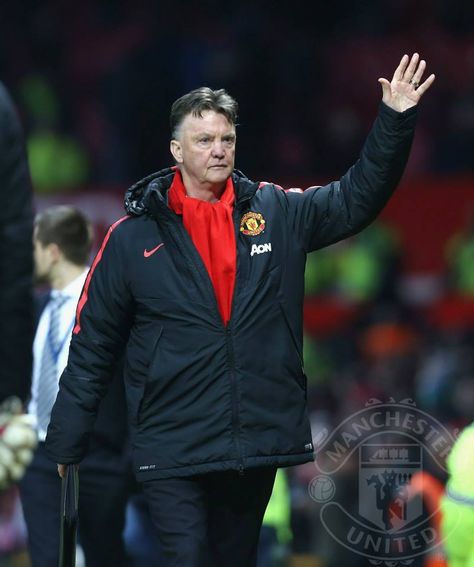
x=201 y=133
x=211 y=135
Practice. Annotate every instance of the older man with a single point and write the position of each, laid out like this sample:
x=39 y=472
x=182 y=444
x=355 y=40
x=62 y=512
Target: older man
x=202 y=284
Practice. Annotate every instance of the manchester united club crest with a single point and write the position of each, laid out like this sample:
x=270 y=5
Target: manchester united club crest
x=252 y=224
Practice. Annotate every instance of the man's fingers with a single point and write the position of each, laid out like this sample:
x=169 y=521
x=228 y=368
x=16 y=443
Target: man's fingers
x=426 y=85
x=410 y=70
x=62 y=470
x=419 y=72
x=400 y=70
x=386 y=88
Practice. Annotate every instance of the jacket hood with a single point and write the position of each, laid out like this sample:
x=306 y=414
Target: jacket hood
x=137 y=197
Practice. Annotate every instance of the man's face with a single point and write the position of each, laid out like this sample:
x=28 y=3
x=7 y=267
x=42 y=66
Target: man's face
x=205 y=149
x=44 y=260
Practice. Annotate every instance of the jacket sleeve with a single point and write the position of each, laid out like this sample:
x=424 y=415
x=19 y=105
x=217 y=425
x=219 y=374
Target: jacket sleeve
x=103 y=320
x=320 y=216
x=16 y=256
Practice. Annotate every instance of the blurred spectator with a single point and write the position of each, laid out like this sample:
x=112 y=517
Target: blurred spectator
x=16 y=260
x=458 y=504
x=62 y=243
x=16 y=319
x=460 y=258
x=57 y=160
x=275 y=535
x=361 y=268
x=367 y=265
x=320 y=272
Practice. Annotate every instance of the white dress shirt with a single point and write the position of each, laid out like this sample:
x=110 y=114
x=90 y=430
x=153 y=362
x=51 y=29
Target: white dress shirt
x=66 y=323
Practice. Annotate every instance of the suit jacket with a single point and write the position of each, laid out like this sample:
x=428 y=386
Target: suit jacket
x=110 y=429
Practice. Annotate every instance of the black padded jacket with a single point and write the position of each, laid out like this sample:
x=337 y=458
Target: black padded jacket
x=203 y=396
x=16 y=256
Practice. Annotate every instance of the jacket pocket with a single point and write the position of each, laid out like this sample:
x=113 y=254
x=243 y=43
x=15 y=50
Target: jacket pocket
x=152 y=363
x=300 y=377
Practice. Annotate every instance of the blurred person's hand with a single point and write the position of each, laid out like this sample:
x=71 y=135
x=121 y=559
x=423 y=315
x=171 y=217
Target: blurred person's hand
x=17 y=442
x=405 y=89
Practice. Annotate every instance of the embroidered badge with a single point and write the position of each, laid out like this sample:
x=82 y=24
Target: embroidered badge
x=252 y=224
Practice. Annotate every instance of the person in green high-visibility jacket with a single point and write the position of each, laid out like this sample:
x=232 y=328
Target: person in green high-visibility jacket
x=276 y=528
x=457 y=525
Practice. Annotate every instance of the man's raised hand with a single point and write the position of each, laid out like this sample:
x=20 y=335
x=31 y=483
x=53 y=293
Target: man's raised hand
x=406 y=88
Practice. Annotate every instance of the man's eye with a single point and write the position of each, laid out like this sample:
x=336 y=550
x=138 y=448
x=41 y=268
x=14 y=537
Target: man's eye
x=203 y=140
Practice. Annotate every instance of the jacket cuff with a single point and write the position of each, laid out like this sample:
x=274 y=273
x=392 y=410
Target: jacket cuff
x=398 y=119
x=387 y=110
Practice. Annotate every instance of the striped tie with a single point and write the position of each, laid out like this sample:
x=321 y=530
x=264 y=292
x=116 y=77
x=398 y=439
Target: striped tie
x=48 y=377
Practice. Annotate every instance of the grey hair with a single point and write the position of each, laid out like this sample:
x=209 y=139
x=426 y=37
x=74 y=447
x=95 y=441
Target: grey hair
x=198 y=100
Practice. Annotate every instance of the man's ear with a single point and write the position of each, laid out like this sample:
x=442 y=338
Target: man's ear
x=176 y=151
x=55 y=252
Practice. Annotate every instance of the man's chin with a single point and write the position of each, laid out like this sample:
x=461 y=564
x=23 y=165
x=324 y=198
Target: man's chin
x=218 y=174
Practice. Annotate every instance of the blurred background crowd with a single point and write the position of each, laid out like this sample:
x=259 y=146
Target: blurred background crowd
x=389 y=313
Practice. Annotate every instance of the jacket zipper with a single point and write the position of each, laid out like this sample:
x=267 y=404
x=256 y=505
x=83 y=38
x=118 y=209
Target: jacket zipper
x=235 y=404
x=230 y=351
x=189 y=252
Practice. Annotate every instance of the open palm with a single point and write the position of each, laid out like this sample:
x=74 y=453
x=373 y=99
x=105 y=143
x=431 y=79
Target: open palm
x=405 y=89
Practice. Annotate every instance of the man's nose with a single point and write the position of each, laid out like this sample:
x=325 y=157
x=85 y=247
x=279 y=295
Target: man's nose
x=218 y=149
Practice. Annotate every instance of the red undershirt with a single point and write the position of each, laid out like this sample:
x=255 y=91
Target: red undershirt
x=211 y=229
